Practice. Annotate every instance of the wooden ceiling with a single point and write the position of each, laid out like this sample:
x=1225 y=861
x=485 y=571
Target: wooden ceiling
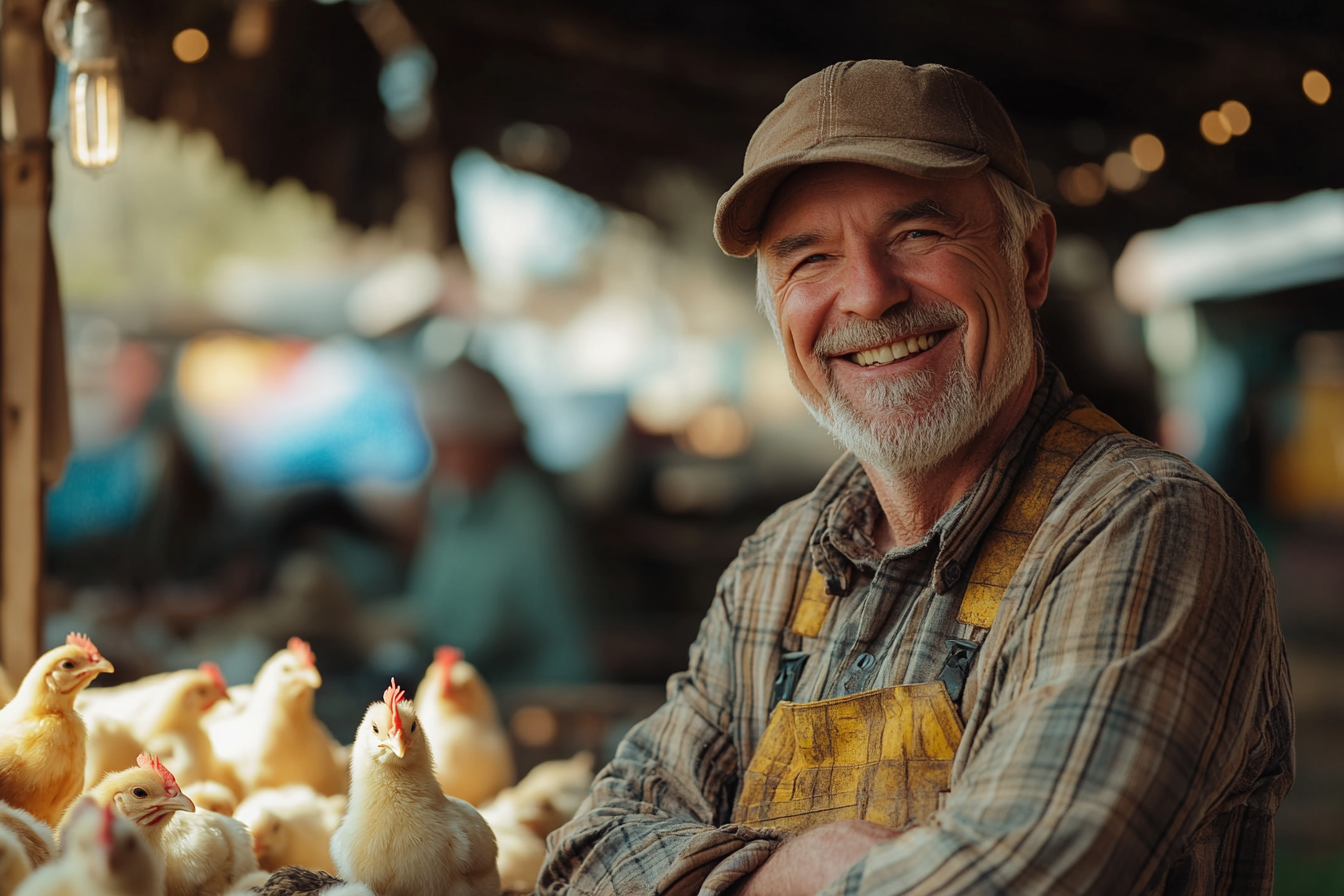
x=642 y=83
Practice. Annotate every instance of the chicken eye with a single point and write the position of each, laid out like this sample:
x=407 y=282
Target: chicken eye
x=140 y=792
x=375 y=729
x=68 y=664
x=412 y=727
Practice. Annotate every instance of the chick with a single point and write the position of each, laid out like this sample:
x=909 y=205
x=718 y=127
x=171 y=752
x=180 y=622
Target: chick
x=102 y=854
x=42 y=737
x=14 y=864
x=34 y=836
x=401 y=835
x=472 y=754
x=275 y=739
x=292 y=826
x=550 y=794
x=521 y=851
x=205 y=853
x=110 y=746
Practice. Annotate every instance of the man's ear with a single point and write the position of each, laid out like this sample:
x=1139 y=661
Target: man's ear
x=1038 y=252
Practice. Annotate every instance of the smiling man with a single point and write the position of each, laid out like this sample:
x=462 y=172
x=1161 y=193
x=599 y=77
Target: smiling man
x=1004 y=646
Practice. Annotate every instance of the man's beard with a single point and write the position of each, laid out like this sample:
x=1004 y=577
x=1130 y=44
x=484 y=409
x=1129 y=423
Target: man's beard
x=913 y=425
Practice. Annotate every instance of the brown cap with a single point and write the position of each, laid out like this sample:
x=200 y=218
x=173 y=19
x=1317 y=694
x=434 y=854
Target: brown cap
x=931 y=121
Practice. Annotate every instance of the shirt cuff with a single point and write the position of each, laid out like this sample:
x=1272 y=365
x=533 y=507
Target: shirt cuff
x=715 y=860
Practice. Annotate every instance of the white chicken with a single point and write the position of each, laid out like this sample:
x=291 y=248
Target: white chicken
x=472 y=755
x=292 y=826
x=401 y=835
x=274 y=739
x=102 y=854
x=205 y=853
x=33 y=835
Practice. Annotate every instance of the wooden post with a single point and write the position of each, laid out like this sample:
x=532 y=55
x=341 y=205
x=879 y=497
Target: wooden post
x=25 y=180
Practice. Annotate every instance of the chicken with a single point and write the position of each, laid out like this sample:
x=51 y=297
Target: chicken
x=212 y=796
x=402 y=836
x=162 y=715
x=521 y=851
x=42 y=737
x=14 y=863
x=472 y=754
x=205 y=853
x=34 y=836
x=292 y=826
x=102 y=854
x=275 y=739
x=550 y=794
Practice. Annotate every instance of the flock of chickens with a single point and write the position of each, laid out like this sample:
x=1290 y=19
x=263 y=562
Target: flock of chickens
x=178 y=785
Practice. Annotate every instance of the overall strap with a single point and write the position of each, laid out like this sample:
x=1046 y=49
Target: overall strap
x=1010 y=535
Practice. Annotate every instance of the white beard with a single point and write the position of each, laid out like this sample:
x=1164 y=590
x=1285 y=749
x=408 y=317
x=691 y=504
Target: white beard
x=897 y=440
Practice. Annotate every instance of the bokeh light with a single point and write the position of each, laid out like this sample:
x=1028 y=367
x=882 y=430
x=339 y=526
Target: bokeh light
x=1083 y=184
x=718 y=431
x=1238 y=117
x=191 y=45
x=1123 y=174
x=1215 y=127
x=1148 y=152
x=1316 y=86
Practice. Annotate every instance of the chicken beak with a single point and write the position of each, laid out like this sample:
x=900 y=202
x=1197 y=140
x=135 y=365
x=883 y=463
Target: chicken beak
x=396 y=742
x=181 y=803
x=312 y=678
x=102 y=666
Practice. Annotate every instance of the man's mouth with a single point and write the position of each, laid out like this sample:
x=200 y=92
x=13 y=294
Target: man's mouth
x=896 y=351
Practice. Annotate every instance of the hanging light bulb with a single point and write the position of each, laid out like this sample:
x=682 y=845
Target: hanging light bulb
x=95 y=87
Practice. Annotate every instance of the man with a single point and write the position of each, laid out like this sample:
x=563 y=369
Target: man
x=1016 y=649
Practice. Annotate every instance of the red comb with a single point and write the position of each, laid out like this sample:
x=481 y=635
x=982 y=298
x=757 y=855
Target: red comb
x=144 y=760
x=445 y=658
x=300 y=648
x=392 y=696
x=216 y=676
x=84 y=644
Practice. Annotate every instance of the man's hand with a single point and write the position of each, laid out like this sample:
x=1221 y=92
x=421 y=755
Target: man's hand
x=805 y=864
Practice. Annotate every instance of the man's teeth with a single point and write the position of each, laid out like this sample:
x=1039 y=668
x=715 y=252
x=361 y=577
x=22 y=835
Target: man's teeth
x=896 y=351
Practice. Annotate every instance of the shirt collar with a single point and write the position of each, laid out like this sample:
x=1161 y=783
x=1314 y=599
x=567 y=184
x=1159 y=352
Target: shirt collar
x=843 y=540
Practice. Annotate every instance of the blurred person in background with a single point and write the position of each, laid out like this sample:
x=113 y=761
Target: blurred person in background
x=497 y=572
x=1004 y=646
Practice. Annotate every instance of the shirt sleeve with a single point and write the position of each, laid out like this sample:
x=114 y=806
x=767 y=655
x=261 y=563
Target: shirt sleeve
x=1137 y=731
x=654 y=821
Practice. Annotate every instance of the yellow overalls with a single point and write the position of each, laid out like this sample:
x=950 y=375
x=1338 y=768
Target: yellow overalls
x=886 y=755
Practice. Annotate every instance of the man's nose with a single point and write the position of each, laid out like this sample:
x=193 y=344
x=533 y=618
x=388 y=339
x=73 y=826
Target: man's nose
x=872 y=283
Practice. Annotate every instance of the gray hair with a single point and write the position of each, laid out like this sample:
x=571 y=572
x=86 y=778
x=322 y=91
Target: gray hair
x=1019 y=213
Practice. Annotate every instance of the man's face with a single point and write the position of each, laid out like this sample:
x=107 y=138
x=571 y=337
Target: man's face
x=903 y=325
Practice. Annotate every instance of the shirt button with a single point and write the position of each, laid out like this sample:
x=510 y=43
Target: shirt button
x=951 y=573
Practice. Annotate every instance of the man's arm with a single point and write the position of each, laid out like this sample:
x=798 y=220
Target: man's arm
x=1129 y=705
x=652 y=822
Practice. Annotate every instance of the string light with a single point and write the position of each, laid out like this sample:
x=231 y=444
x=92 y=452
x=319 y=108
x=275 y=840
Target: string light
x=191 y=45
x=1148 y=152
x=1215 y=127
x=1083 y=184
x=1122 y=173
x=1316 y=86
x=1238 y=117
x=94 y=93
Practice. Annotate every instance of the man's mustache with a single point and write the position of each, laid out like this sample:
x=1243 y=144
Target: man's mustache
x=896 y=322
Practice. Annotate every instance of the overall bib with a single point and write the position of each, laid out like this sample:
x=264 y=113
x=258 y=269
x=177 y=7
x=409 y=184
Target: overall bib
x=886 y=755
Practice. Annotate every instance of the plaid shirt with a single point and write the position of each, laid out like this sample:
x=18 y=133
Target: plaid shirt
x=1128 y=719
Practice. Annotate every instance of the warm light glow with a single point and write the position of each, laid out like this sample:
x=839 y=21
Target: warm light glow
x=534 y=726
x=1083 y=184
x=191 y=45
x=1148 y=152
x=718 y=431
x=1316 y=86
x=1123 y=173
x=95 y=115
x=1238 y=117
x=1215 y=127
x=250 y=35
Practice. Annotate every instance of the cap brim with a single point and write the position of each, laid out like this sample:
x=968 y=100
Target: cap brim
x=737 y=220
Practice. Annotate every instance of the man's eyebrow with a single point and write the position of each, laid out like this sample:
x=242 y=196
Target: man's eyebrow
x=921 y=208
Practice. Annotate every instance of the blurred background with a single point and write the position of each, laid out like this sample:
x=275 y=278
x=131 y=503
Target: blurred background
x=400 y=323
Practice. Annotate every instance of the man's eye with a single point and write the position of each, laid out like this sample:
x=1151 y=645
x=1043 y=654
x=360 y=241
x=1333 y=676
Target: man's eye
x=918 y=234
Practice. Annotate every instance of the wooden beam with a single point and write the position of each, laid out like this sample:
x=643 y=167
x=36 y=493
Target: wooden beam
x=25 y=180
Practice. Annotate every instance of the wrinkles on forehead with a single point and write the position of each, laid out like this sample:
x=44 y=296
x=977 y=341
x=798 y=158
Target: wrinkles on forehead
x=919 y=210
